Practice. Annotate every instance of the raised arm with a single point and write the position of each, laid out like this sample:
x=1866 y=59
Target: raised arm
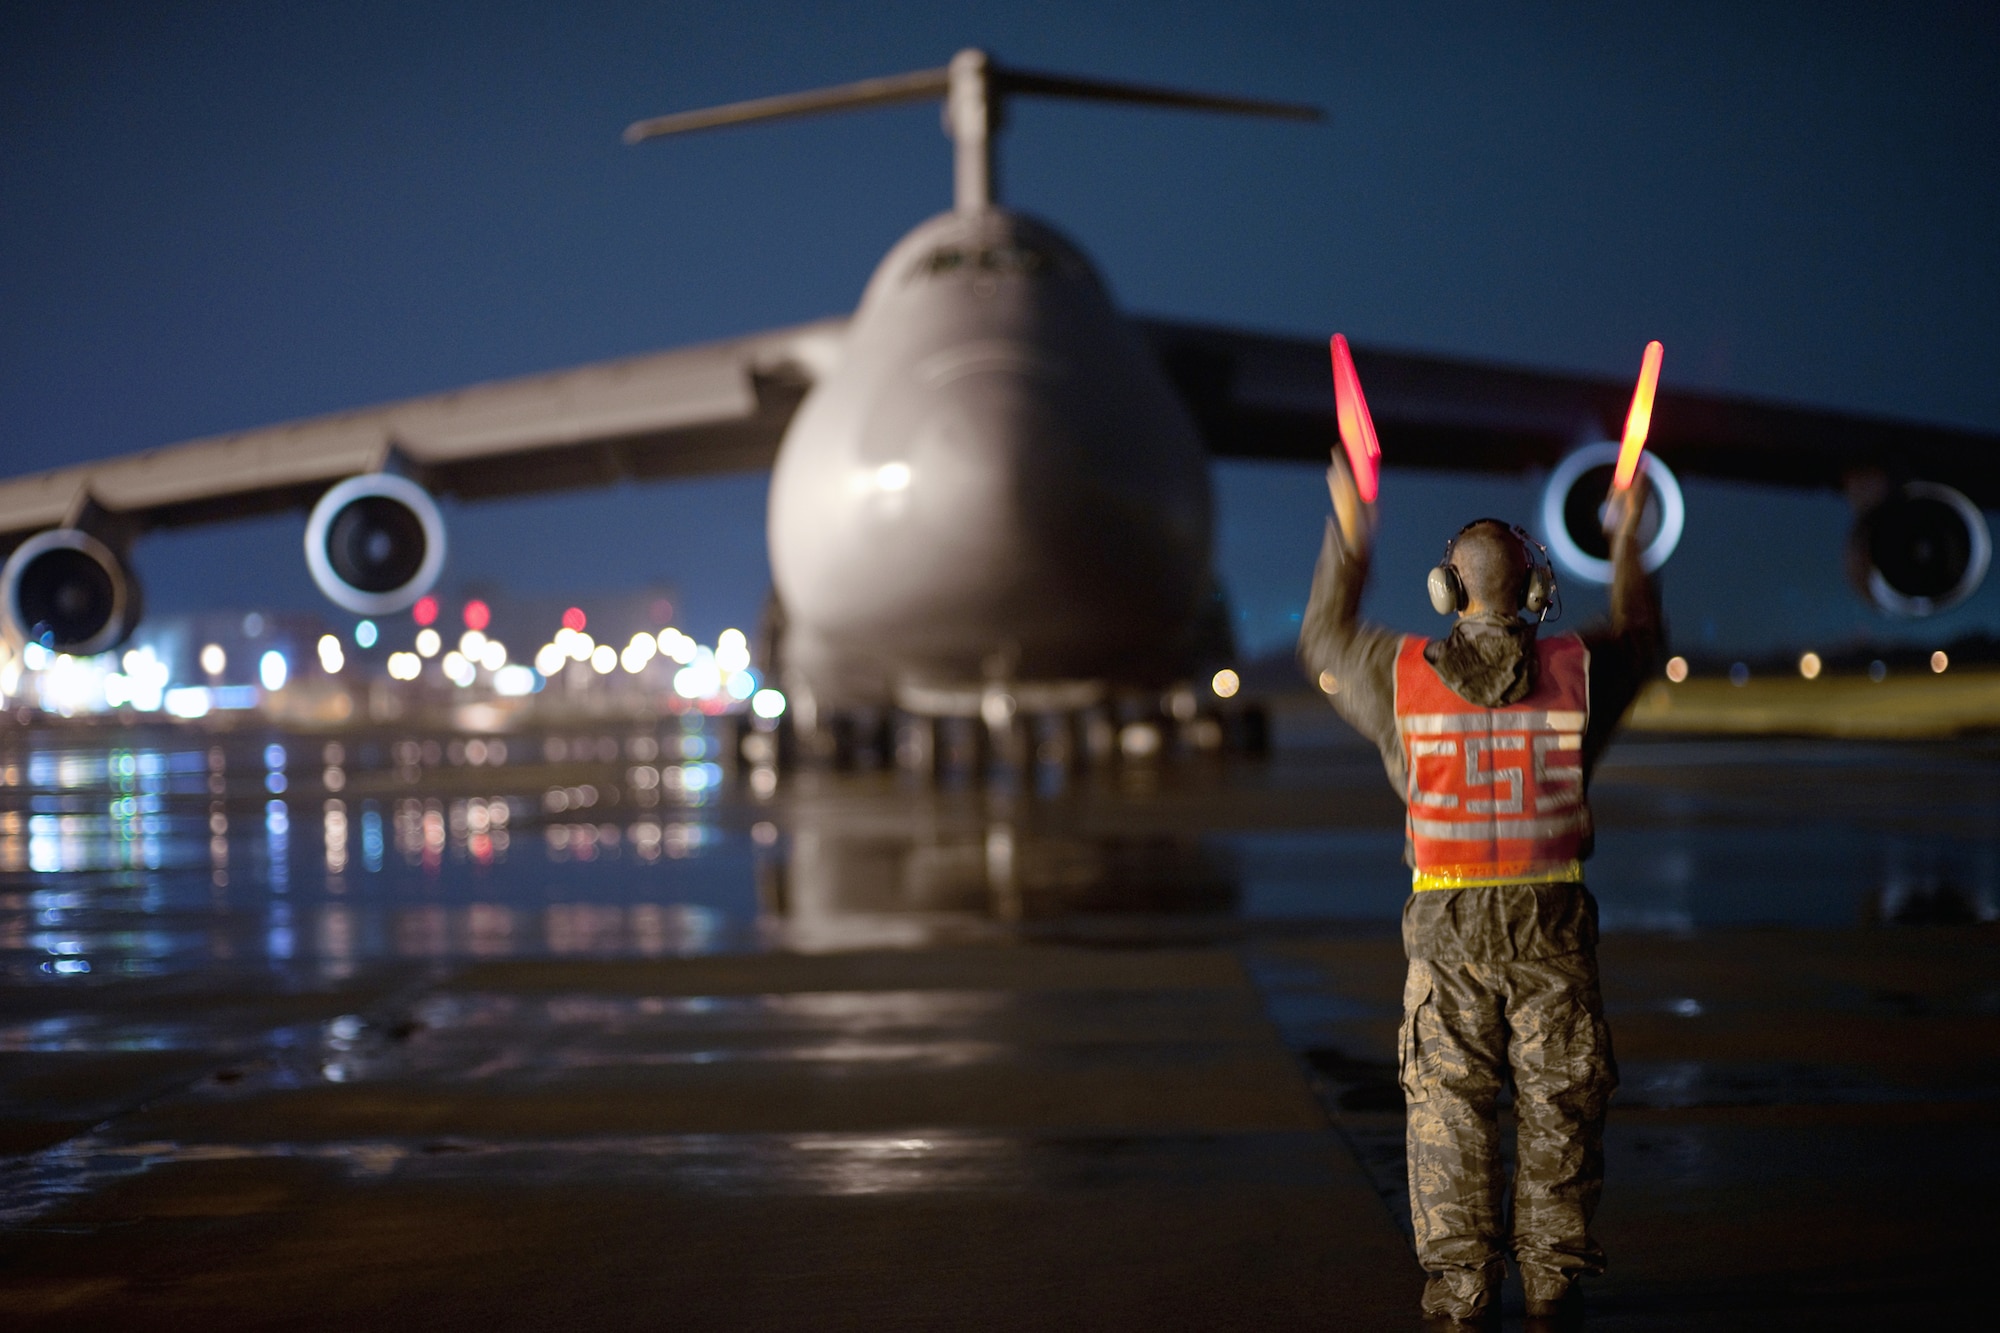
x=1624 y=656
x=1352 y=661
x=1635 y=597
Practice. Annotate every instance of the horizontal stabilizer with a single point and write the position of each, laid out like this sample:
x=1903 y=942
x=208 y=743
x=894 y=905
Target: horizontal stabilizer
x=972 y=88
x=923 y=86
x=1100 y=90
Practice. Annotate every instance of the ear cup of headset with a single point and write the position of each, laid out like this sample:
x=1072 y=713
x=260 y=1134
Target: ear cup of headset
x=1447 y=593
x=1541 y=589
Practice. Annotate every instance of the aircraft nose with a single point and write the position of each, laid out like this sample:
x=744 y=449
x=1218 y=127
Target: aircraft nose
x=1003 y=488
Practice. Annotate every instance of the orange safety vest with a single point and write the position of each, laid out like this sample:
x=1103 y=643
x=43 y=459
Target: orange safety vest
x=1495 y=794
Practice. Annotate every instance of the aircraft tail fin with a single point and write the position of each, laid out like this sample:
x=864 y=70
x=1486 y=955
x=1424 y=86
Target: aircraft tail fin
x=972 y=88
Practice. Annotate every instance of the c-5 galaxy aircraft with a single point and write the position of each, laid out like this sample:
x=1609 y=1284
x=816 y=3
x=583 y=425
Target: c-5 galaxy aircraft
x=986 y=478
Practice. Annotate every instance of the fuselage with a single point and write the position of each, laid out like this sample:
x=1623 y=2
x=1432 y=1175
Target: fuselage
x=996 y=483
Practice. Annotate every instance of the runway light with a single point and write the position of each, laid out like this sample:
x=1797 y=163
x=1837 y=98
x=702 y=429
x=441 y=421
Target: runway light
x=494 y=655
x=189 y=701
x=678 y=645
x=365 y=634
x=550 y=659
x=574 y=619
x=1639 y=419
x=477 y=614
x=700 y=679
x=405 y=666
x=581 y=645
x=213 y=659
x=1939 y=661
x=732 y=650
x=1225 y=684
x=459 y=670
x=142 y=686
x=473 y=644
x=1357 y=428
x=1677 y=669
x=1809 y=666
x=641 y=650
x=767 y=703
x=514 y=681
x=272 y=669
x=425 y=612
x=602 y=659
x=429 y=641
x=331 y=659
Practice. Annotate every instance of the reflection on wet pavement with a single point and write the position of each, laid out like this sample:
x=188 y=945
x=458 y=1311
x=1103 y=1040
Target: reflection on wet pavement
x=746 y=1164
x=295 y=852
x=293 y=981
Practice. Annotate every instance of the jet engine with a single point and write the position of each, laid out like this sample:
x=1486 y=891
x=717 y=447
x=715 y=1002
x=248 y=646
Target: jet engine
x=375 y=543
x=69 y=592
x=1922 y=548
x=1573 y=507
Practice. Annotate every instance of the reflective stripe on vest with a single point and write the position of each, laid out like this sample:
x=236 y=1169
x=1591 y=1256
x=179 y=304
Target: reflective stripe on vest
x=1495 y=794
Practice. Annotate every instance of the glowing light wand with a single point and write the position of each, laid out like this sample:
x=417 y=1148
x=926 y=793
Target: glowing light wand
x=1357 y=428
x=1639 y=420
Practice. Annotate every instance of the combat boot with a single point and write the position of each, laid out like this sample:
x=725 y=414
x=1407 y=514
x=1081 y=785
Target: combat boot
x=1462 y=1298
x=1560 y=1315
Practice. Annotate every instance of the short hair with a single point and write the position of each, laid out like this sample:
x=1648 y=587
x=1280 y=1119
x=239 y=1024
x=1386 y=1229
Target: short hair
x=1492 y=565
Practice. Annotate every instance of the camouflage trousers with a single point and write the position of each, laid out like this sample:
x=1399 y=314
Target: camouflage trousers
x=1467 y=1027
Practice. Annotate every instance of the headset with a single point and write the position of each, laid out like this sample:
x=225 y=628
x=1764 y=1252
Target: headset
x=1448 y=593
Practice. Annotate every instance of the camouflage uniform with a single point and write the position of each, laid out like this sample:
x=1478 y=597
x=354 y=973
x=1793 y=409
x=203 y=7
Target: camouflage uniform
x=1502 y=984
x=1467 y=1024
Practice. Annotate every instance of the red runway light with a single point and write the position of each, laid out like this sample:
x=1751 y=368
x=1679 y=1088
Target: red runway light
x=477 y=614
x=1639 y=420
x=1357 y=428
x=425 y=612
x=574 y=619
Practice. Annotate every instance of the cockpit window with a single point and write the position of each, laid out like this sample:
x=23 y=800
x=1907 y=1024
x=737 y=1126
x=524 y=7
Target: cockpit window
x=1024 y=260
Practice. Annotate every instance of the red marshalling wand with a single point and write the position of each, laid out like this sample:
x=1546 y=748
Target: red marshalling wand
x=1357 y=428
x=1640 y=419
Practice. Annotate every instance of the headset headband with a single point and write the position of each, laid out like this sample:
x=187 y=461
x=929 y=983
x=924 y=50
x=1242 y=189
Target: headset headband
x=1543 y=589
x=1529 y=546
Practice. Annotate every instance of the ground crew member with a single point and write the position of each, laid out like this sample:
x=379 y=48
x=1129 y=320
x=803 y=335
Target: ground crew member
x=1490 y=735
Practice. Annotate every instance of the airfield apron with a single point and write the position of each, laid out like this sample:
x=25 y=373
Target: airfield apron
x=1498 y=827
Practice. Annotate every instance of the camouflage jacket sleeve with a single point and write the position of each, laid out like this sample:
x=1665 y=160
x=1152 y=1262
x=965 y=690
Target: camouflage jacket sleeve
x=1625 y=653
x=1352 y=661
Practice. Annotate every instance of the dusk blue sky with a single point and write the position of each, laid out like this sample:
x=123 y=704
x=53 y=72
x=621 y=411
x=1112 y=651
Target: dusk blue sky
x=220 y=215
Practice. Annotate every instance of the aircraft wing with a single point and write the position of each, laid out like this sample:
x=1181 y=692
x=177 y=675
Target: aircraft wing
x=1260 y=396
x=715 y=407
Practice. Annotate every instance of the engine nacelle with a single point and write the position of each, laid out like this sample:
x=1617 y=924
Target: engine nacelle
x=1573 y=507
x=1921 y=549
x=69 y=592
x=375 y=543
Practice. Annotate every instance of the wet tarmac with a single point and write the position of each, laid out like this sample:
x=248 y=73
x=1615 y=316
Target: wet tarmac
x=584 y=1030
